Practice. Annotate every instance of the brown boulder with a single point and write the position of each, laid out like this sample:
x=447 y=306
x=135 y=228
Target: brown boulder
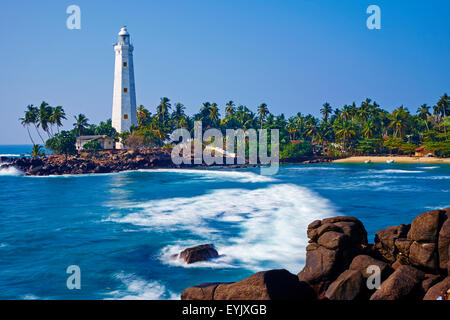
x=199 y=253
x=332 y=240
x=362 y=262
x=400 y=285
x=443 y=245
x=385 y=241
x=204 y=291
x=423 y=255
x=425 y=227
x=321 y=264
x=438 y=289
x=429 y=281
x=347 y=286
x=266 y=285
x=388 y=236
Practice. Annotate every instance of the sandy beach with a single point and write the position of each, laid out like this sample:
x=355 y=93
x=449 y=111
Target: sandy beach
x=397 y=159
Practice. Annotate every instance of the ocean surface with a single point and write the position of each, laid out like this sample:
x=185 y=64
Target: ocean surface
x=122 y=228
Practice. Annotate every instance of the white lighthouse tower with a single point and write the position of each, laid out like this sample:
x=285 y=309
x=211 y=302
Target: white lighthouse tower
x=124 y=97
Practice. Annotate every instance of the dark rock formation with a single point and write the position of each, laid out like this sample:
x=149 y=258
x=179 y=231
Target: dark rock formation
x=400 y=285
x=199 y=253
x=334 y=244
x=347 y=286
x=362 y=263
x=265 y=285
x=337 y=261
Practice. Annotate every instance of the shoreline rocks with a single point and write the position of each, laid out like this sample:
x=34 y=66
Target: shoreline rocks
x=107 y=162
x=412 y=260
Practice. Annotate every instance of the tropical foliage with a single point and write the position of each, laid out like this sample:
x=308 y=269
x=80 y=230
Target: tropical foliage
x=346 y=130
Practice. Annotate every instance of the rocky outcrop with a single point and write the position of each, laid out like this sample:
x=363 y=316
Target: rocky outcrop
x=348 y=286
x=413 y=261
x=265 y=285
x=334 y=242
x=400 y=285
x=198 y=253
x=101 y=162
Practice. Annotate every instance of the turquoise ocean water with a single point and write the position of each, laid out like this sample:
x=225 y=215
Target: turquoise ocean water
x=121 y=229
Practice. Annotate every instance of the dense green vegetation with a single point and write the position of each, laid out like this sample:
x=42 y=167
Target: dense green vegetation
x=348 y=130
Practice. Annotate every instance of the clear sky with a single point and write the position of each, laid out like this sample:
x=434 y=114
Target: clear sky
x=293 y=55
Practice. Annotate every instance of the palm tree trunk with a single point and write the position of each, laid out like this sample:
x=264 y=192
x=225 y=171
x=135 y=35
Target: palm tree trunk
x=39 y=134
x=29 y=134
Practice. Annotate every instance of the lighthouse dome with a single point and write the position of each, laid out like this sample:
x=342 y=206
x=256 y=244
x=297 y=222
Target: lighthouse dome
x=123 y=32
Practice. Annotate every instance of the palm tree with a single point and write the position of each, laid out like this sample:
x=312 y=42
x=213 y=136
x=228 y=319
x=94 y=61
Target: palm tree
x=230 y=108
x=423 y=112
x=345 y=132
x=399 y=121
x=57 y=116
x=263 y=111
x=163 y=108
x=45 y=112
x=142 y=115
x=37 y=151
x=326 y=111
x=81 y=123
x=29 y=118
x=214 y=114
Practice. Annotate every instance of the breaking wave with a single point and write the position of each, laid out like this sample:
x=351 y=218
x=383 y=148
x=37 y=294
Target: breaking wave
x=10 y=171
x=138 y=289
x=254 y=229
x=240 y=176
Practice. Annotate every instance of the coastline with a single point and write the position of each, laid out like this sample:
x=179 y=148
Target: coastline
x=397 y=159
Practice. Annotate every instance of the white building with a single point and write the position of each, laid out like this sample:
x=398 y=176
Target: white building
x=124 y=97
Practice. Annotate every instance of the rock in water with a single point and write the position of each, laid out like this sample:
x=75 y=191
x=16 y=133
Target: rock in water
x=199 y=253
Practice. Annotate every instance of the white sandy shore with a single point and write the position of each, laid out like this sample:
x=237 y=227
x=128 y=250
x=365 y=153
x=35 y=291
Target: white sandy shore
x=397 y=159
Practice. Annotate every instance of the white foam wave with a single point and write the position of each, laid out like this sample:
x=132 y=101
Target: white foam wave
x=396 y=171
x=10 y=171
x=138 y=289
x=428 y=168
x=10 y=155
x=316 y=168
x=436 y=178
x=241 y=176
x=271 y=222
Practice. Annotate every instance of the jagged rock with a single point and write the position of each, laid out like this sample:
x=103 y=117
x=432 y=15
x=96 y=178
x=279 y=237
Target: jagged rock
x=362 y=262
x=334 y=244
x=425 y=227
x=438 y=289
x=199 y=253
x=347 y=286
x=321 y=264
x=443 y=246
x=385 y=241
x=265 y=285
x=332 y=240
x=423 y=255
x=400 y=285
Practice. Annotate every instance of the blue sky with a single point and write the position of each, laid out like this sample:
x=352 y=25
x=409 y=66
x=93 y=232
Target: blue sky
x=293 y=55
